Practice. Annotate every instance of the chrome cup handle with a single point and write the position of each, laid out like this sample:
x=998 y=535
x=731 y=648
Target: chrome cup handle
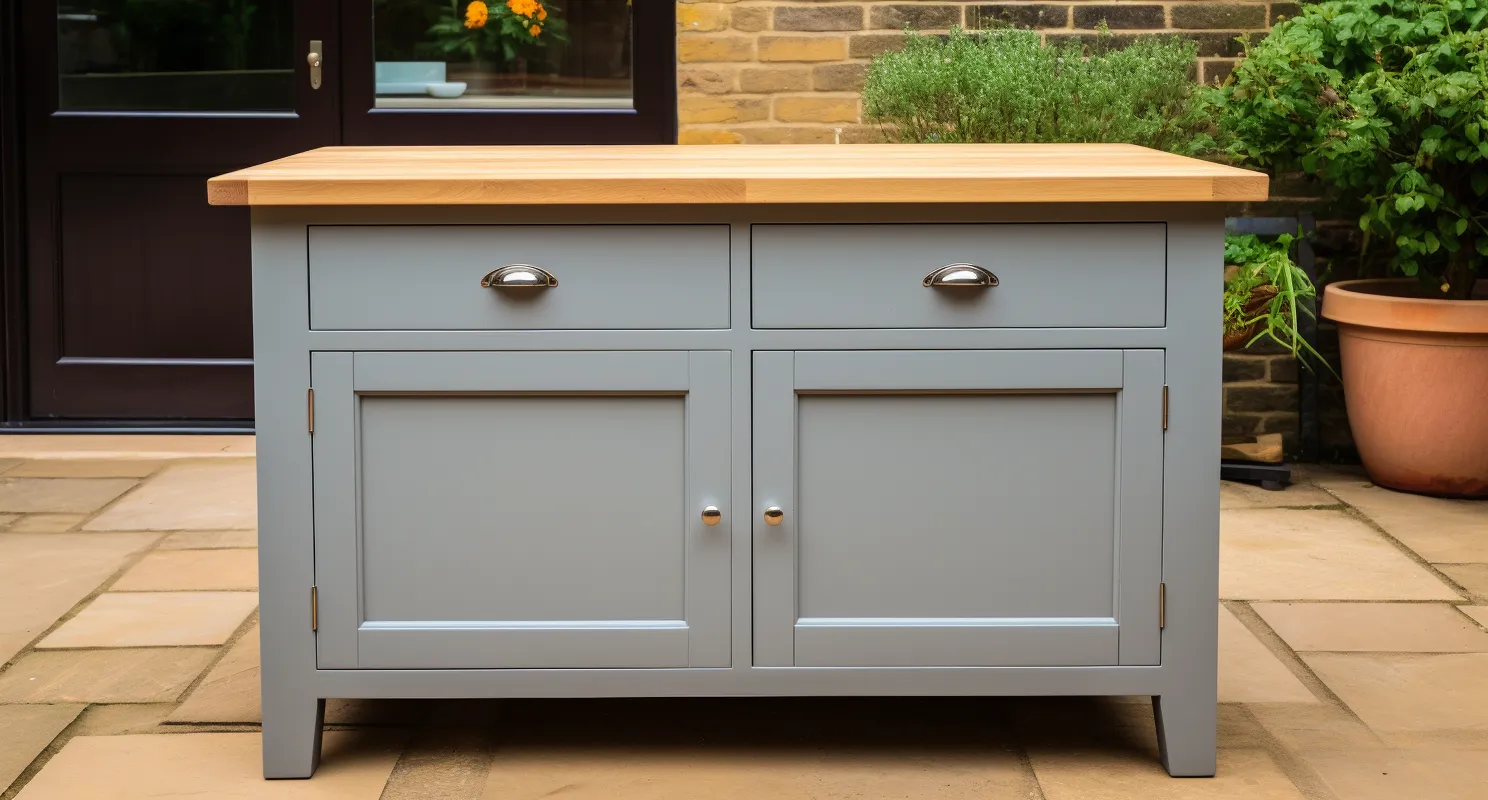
x=960 y=275
x=518 y=276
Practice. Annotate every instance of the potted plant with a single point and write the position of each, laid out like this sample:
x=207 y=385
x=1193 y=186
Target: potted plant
x=500 y=33
x=1264 y=294
x=1387 y=102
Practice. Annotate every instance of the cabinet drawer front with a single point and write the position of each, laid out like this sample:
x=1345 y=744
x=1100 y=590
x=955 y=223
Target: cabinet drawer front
x=1096 y=275
x=609 y=277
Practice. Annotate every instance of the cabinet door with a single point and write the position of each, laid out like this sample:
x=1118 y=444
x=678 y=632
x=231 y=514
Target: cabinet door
x=521 y=509
x=958 y=508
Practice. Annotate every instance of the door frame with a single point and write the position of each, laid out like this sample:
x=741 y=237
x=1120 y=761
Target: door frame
x=12 y=254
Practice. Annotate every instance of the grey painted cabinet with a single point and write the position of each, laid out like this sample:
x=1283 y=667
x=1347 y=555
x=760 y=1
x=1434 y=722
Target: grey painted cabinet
x=499 y=510
x=958 y=508
x=985 y=487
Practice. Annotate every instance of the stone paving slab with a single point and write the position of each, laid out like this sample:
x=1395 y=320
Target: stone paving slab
x=70 y=446
x=1074 y=774
x=32 y=495
x=1379 y=627
x=27 y=730
x=1472 y=577
x=209 y=540
x=1302 y=554
x=192 y=570
x=1246 y=495
x=1412 y=700
x=1404 y=775
x=355 y=766
x=153 y=675
x=86 y=468
x=1249 y=672
x=42 y=576
x=190 y=496
x=1448 y=531
x=46 y=523
x=155 y=619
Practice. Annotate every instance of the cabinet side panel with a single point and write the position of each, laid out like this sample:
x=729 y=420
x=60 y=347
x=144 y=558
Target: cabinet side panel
x=286 y=550
x=1191 y=493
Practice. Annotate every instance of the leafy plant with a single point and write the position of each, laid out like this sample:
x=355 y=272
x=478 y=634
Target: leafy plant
x=1265 y=293
x=504 y=30
x=1008 y=85
x=1387 y=102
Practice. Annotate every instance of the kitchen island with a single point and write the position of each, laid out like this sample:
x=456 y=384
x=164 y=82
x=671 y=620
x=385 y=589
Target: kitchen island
x=796 y=420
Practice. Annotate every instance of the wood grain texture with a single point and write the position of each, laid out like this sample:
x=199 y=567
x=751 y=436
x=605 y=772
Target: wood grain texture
x=972 y=173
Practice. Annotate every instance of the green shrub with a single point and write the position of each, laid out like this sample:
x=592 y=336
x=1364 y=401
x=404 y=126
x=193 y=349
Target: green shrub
x=1385 y=101
x=1009 y=86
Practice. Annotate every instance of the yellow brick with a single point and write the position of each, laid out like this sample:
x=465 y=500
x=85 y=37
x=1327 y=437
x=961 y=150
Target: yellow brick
x=816 y=109
x=703 y=108
x=702 y=80
x=708 y=136
x=714 y=48
x=750 y=18
x=798 y=134
x=763 y=80
x=709 y=17
x=802 y=48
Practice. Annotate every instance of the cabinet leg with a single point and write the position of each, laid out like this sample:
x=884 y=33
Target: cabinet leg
x=1186 y=733
x=291 y=736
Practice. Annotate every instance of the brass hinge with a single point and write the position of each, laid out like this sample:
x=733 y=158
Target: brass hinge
x=310 y=411
x=314 y=608
x=1162 y=606
x=1165 y=406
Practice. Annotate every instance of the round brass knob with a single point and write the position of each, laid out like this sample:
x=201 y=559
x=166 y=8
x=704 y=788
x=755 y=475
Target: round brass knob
x=711 y=516
x=773 y=515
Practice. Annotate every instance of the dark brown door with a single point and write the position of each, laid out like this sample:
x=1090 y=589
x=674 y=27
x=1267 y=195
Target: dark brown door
x=138 y=291
x=509 y=72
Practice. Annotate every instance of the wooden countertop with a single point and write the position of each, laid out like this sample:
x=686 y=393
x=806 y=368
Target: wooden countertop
x=944 y=173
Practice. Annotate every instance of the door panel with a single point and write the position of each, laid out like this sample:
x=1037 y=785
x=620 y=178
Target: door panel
x=506 y=510
x=138 y=290
x=966 y=508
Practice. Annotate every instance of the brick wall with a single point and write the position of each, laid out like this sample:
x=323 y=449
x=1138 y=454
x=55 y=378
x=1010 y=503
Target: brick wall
x=1260 y=393
x=773 y=71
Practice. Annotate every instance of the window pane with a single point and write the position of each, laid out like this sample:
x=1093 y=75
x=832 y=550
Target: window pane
x=473 y=54
x=175 y=55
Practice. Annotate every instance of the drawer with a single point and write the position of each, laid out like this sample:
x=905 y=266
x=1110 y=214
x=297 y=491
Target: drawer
x=609 y=277
x=1095 y=275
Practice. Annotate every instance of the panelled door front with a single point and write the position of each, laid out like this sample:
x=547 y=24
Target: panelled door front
x=522 y=509
x=957 y=508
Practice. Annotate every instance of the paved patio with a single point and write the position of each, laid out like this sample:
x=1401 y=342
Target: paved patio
x=1353 y=665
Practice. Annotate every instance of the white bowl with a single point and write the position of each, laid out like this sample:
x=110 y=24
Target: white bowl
x=446 y=90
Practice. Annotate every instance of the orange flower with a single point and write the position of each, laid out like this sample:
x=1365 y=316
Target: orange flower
x=542 y=13
x=534 y=30
x=476 y=14
x=524 y=8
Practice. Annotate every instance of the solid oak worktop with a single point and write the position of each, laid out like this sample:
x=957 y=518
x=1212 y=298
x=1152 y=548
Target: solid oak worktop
x=734 y=174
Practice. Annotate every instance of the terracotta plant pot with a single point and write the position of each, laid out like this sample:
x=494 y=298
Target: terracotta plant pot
x=1415 y=379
